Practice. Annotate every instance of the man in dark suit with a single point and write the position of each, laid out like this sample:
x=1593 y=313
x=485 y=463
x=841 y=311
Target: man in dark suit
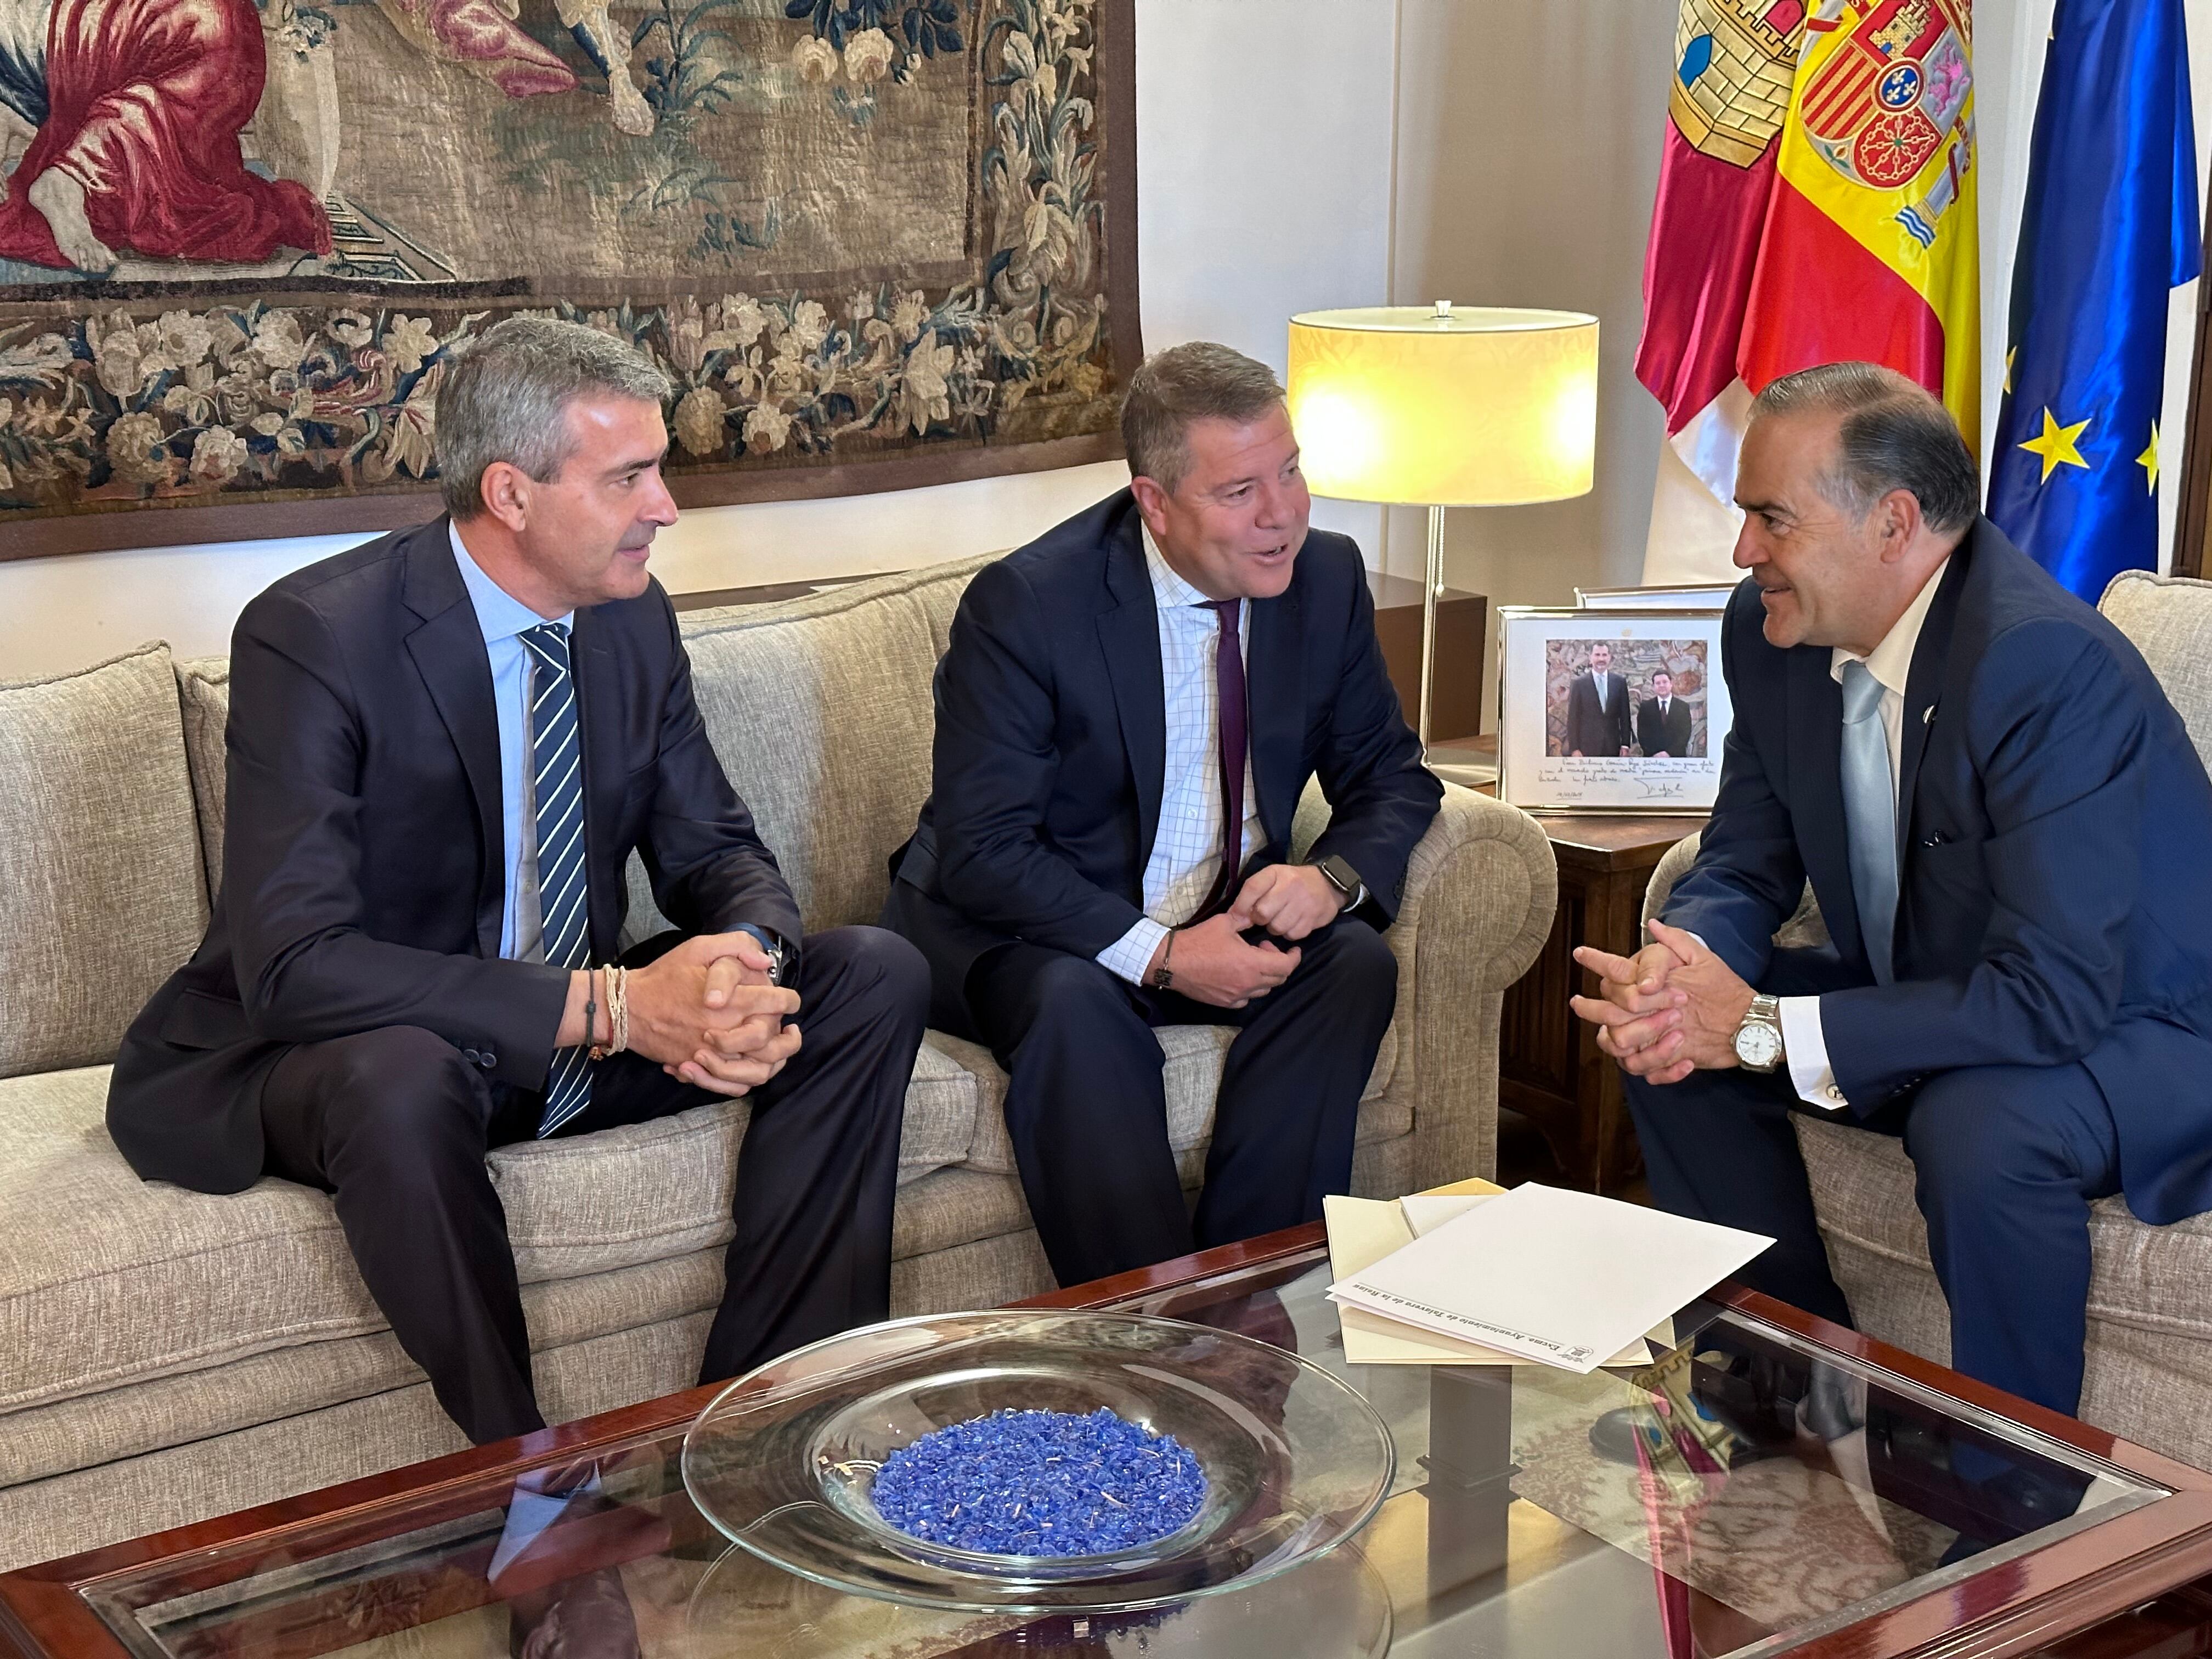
x=442 y=748
x=1106 y=847
x=1662 y=721
x=2010 y=838
x=1597 y=709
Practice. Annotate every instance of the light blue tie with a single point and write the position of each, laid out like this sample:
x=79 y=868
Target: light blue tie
x=1870 y=815
x=557 y=758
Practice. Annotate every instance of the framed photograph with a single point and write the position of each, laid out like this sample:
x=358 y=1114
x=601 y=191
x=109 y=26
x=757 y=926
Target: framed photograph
x=1697 y=595
x=1610 y=710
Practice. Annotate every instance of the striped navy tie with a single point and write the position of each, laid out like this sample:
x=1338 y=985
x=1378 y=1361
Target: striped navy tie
x=558 y=757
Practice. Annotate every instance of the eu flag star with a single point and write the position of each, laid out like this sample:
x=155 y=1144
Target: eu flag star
x=2057 y=444
x=2148 y=460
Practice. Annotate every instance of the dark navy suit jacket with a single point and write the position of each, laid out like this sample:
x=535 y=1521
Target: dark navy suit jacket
x=1051 y=743
x=2055 y=845
x=364 y=866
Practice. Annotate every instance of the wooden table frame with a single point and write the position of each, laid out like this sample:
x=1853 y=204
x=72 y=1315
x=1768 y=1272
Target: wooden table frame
x=2123 y=1588
x=1549 y=1069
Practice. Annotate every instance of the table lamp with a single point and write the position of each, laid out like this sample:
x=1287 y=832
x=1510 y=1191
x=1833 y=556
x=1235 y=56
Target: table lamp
x=1444 y=406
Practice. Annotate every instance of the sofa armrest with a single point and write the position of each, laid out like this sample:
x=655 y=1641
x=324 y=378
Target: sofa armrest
x=1481 y=892
x=1805 y=930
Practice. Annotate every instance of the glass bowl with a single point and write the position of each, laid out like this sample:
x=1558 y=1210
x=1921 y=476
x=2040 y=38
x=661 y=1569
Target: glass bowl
x=1295 y=1461
x=1336 y=1605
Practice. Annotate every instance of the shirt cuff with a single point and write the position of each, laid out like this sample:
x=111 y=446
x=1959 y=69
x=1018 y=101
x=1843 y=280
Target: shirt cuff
x=1810 y=1074
x=1131 y=954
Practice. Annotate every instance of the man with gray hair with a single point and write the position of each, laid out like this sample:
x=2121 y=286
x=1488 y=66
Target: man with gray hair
x=1128 y=711
x=2010 y=837
x=443 y=747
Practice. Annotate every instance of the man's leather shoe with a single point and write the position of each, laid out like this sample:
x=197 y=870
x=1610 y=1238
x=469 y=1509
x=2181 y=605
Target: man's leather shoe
x=592 y=1532
x=588 y=1616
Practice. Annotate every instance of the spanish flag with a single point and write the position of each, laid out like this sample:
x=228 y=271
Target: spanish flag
x=1865 y=204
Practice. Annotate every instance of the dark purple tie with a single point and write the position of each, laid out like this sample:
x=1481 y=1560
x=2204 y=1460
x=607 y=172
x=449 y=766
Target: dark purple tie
x=1229 y=694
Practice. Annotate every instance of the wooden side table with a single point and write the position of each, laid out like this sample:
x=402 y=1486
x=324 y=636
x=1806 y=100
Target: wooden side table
x=1549 y=1067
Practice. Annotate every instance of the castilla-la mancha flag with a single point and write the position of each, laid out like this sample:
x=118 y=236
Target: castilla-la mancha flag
x=1816 y=203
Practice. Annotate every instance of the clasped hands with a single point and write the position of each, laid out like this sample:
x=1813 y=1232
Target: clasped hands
x=708 y=1012
x=1671 y=1009
x=1211 y=961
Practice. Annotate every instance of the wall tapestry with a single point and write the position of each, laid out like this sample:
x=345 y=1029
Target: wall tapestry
x=876 y=243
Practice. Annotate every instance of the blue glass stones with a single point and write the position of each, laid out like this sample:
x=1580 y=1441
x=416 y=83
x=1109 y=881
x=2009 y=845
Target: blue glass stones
x=787 y=1461
x=1041 y=1483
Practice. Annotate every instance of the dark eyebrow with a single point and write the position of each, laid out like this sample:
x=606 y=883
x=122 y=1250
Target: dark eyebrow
x=639 y=464
x=1771 y=509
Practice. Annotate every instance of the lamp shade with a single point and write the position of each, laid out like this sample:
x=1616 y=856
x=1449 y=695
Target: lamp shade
x=1461 y=407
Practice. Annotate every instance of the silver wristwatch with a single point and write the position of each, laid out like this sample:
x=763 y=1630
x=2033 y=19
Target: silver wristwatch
x=1759 y=1039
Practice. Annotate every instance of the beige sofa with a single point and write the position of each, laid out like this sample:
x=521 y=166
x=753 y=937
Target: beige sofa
x=2149 y=1374
x=166 y=1355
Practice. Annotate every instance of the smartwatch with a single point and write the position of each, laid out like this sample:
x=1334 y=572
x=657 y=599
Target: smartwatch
x=1759 y=1039
x=1342 y=876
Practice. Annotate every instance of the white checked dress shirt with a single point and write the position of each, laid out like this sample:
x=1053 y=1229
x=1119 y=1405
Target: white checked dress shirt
x=1810 y=1074
x=1186 y=853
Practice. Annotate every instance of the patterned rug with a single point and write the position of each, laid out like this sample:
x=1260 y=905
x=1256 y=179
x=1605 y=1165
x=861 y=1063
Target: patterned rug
x=1782 y=1542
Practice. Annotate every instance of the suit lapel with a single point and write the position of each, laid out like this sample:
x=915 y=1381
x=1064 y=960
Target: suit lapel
x=1816 y=764
x=1275 y=711
x=1923 y=684
x=448 y=651
x=1129 y=635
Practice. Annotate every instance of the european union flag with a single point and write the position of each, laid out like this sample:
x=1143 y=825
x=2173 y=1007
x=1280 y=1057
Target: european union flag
x=2111 y=227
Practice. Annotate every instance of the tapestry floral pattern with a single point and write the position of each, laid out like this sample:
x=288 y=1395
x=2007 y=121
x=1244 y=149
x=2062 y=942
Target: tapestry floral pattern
x=162 y=402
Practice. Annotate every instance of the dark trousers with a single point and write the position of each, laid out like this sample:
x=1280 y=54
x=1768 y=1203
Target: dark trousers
x=2007 y=1159
x=394 y=1124
x=1086 y=1106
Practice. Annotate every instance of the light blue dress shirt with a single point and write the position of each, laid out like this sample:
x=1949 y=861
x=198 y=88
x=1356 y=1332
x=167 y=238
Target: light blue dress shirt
x=503 y=618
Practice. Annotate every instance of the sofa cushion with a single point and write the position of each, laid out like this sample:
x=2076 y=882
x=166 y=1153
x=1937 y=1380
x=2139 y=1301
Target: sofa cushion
x=99 y=858
x=820 y=710
x=203 y=691
x=170 y=1282
x=2154 y=1279
x=1191 y=1068
x=2169 y=618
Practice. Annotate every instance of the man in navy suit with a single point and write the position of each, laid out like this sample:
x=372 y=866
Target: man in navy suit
x=2010 y=838
x=1597 y=709
x=1106 y=847
x=403 y=972
x=1662 y=721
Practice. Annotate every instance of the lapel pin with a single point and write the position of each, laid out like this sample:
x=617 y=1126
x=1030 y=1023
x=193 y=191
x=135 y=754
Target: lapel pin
x=1928 y=715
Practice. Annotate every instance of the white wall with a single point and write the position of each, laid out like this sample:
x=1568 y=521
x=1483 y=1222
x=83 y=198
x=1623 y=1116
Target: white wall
x=1263 y=188
x=1529 y=143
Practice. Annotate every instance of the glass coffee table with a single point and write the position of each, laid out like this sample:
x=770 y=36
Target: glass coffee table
x=1772 y=1484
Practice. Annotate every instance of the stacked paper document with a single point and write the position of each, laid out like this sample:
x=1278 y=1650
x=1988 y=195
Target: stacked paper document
x=1536 y=1275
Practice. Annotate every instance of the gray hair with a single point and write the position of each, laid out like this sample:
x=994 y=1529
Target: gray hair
x=1895 y=436
x=1197 y=381
x=506 y=399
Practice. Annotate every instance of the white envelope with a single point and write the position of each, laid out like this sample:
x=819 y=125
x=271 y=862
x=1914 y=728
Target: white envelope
x=1362 y=1231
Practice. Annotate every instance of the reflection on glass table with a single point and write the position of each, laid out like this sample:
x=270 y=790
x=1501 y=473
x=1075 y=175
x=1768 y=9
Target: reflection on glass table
x=1744 y=1494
